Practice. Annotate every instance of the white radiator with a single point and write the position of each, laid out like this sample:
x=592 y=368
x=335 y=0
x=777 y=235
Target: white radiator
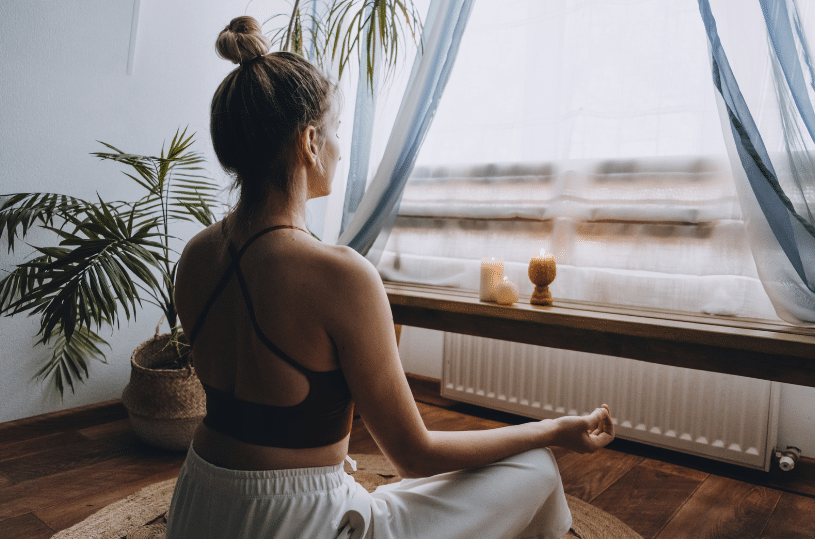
x=720 y=416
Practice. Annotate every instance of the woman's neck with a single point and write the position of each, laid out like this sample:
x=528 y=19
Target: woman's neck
x=279 y=209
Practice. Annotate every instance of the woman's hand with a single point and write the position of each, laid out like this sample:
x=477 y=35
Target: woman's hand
x=585 y=434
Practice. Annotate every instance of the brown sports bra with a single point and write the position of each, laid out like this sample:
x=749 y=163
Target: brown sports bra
x=324 y=417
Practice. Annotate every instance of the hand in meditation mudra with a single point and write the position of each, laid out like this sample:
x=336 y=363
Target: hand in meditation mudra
x=542 y=271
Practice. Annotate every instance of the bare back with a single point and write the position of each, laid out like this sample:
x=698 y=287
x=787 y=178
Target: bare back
x=284 y=273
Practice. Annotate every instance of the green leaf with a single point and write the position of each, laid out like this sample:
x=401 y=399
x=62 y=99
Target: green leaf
x=19 y=211
x=69 y=358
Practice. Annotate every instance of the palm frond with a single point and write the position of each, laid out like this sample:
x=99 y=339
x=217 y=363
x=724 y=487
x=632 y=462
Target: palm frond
x=297 y=35
x=19 y=211
x=70 y=357
x=143 y=165
x=375 y=25
x=94 y=271
x=348 y=29
x=193 y=198
x=23 y=280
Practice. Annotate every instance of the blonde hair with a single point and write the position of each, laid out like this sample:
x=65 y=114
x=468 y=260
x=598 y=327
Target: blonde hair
x=261 y=108
x=242 y=40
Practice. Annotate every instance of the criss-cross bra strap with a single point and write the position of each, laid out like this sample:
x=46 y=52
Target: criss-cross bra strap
x=251 y=308
x=233 y=267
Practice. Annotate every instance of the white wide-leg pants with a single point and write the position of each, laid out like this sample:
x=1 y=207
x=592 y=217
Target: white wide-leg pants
x=518 y=497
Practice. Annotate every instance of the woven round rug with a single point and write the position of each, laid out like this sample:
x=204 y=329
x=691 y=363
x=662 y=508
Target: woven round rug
x=142 y=515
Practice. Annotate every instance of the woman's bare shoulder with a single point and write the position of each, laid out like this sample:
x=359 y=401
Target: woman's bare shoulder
x=210 y=235
x=202 y=249
x=345 y=267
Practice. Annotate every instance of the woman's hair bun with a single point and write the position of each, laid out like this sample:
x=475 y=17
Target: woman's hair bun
x=242 y=40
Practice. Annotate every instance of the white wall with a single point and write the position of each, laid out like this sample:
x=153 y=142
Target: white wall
x=65 y=86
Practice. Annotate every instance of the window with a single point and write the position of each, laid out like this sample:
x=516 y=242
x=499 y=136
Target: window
x=589 y=129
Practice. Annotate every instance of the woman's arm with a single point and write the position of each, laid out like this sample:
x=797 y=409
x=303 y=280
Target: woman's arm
x=361 y=325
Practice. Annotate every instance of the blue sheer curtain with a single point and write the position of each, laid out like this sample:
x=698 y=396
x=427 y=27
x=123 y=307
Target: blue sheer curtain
x=776 y=184
x=361 y=139
x=366 y=231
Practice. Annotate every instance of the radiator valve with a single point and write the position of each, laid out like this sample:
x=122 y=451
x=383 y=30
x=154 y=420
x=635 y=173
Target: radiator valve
x=788 y=458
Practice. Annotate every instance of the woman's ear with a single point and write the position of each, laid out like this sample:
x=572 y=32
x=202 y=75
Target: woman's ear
x=310 y=145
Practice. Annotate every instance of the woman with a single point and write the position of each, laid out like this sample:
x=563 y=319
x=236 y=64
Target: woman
x=289 y=335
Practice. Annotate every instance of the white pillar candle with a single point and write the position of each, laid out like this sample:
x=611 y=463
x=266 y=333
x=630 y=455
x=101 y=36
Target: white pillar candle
x=492 y=271
x=506 y=293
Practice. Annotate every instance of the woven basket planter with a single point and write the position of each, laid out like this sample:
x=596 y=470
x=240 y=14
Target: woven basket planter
x=165 y=405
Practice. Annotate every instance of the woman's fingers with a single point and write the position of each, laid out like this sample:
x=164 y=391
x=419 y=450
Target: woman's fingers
x=588 y=433
x=601 y=426
x=597 y=419
x=608 y=423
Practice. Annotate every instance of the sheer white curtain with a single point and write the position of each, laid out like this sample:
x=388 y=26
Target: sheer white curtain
x=762 y=68
x=590 y=129
x=375 y=213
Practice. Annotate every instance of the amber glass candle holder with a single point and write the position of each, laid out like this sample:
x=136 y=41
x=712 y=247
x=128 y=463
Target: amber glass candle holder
x=542 y=271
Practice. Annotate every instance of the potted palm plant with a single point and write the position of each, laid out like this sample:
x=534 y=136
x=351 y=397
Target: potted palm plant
x=108 y=258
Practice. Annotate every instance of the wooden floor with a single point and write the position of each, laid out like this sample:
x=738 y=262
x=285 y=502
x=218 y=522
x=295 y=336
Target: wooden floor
x=55 y=470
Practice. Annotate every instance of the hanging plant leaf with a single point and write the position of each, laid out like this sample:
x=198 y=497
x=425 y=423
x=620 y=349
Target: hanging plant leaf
x=349 y=30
